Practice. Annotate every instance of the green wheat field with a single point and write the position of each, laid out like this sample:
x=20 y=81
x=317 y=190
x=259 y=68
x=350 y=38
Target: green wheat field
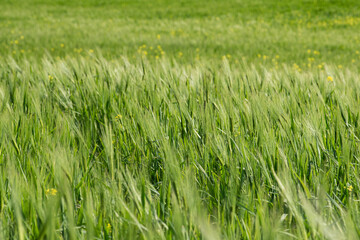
x=159 y=119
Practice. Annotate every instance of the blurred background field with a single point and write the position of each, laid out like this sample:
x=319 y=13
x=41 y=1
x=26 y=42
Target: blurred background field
x=306 y=33
x=179 y=119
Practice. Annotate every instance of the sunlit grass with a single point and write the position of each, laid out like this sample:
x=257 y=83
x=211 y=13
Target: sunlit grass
x=179 y=120
x=95 y=148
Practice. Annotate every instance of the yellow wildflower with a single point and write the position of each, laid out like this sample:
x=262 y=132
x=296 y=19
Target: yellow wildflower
x=311 y=59
x=108 y=227
x=330 y=79
x=51 y=191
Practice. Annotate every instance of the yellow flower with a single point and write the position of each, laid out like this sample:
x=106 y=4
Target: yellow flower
x=180 y=54
x=51 y=77
x=118 y=116
x=350 y=188
x=62 y=45
x=91 y=51
x=16 y=42
x=330 y=79
x=158 y=36
x=340 y=66
x=108 y=227
x=51 y=191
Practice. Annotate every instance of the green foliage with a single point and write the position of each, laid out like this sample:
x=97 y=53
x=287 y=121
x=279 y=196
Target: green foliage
x=190 y=120
x=162 y=151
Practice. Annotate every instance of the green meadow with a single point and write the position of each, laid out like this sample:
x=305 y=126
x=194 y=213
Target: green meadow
x=161 y=119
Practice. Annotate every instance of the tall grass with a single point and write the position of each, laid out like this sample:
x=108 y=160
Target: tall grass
x=91 y=148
